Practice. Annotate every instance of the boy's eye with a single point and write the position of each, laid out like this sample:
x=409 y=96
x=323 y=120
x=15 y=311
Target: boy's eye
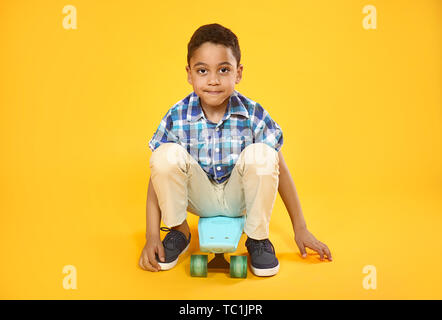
x=226 y=70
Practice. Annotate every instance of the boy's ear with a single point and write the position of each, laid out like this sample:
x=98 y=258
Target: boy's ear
x=189 y=78
x=239 y=73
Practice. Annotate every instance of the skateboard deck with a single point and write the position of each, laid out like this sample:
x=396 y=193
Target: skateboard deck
x=220 y=234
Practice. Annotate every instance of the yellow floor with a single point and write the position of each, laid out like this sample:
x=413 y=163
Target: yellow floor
x=397 y=233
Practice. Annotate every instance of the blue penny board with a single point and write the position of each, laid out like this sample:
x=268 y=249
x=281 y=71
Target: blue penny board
x=220 y=234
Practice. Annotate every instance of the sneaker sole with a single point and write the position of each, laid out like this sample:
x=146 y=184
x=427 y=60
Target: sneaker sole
x=170 y=265
x=265 y=272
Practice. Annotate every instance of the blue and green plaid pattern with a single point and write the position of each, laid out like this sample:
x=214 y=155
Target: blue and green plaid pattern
x=217 y=146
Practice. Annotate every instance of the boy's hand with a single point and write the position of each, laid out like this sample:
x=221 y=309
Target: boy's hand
x=147 y=259
x=304 y=239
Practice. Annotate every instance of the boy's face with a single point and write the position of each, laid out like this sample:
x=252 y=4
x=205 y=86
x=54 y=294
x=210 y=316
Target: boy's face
x=213 y=74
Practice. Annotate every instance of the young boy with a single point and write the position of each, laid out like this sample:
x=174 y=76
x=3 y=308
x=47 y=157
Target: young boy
x=217 y=152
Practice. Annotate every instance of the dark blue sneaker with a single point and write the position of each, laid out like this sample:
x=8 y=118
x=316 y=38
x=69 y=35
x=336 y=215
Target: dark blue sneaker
x=263 y=259
x=175 y=244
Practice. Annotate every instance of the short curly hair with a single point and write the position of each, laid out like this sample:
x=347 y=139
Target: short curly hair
x=217 y=34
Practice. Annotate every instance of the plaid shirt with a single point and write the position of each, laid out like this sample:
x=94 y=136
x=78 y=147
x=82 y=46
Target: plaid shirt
x=217 y=146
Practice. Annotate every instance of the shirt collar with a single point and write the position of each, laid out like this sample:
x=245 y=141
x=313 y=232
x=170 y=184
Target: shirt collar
x=234 y=106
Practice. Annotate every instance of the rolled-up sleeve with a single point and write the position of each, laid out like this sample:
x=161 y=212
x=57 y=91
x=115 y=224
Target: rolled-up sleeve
x=164 y=133
x=266 y=130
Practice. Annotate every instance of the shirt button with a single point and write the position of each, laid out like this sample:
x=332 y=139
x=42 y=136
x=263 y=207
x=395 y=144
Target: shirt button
x=218 y=168
x=217 y=149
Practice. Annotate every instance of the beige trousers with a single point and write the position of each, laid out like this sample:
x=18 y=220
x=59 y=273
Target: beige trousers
x=181 y=185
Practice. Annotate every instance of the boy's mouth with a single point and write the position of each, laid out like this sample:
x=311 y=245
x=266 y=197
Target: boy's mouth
x=213 y=92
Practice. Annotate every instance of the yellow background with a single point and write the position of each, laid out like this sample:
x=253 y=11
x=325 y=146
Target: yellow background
x=360 y=111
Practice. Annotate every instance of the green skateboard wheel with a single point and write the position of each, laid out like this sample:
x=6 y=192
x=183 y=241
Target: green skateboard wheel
x=238 y=266
x=198 y=265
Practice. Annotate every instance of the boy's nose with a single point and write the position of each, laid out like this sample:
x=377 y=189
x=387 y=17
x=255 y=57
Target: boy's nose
x=213 y=80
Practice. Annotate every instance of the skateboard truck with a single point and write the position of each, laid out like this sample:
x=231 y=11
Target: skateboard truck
x=218 y=262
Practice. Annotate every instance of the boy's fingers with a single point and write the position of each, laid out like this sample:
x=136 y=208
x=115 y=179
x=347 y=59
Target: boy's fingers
x=328 y=253
x=140 y=263
x=302 y=249
x=150 y=268
x=318 y=249
x=321 y=254
x=144 y=263
x=148 y=265
x=161 y=254
x=324 y=249
x=152 y=259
